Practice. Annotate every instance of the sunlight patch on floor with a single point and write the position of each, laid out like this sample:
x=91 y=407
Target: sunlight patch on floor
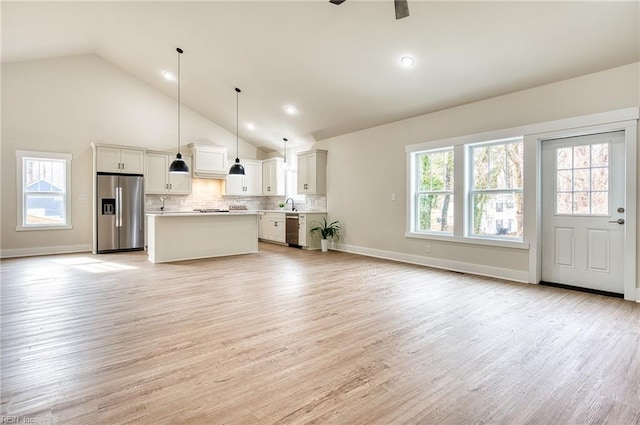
x=93 y=265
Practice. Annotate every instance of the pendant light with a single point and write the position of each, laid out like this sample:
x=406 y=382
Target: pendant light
x=178 y=165
x=237 y=168
x=284 y=150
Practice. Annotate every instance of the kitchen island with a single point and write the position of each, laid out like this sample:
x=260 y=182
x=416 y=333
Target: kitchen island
x=176 y=236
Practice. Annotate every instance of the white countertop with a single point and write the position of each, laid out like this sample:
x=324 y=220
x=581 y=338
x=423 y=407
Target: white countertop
x=232 y=212
x=297 y=211
x=197 y=213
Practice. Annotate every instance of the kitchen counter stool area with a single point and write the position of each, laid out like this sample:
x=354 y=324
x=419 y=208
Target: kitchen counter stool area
x=189 y=236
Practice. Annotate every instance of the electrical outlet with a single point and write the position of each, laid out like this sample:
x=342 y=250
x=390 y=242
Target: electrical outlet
x=393 y=196
x=427 y=249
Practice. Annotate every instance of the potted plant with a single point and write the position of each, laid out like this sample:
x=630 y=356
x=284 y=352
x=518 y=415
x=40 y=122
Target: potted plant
x=281 y=205
x=327 y=231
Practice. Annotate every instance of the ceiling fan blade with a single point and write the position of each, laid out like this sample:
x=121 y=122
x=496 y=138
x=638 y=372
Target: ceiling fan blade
x=337 y=1
x=402 y=8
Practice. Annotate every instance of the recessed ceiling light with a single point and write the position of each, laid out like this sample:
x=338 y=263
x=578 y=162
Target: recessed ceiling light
x=407 y=61
x=289 y=109
x=250 y=125
x=168 y=76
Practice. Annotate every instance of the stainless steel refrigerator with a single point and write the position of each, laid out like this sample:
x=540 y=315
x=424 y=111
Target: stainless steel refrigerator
x=120 y=220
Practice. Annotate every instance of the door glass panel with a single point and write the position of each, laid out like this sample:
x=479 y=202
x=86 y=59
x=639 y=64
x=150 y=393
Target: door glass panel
x=581 y=202
x=600 y=203
x=600 y=155
x=563 y=159
x=600 y=178
x=565 y=181
x=582 y=179
x=581 y=156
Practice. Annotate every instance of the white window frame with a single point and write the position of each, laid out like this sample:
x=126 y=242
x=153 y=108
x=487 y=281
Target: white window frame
x=416 y=193
x=471 y=191
x=21 y=196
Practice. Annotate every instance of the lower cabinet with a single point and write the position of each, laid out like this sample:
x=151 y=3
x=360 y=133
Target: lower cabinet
x=272 y=227
x=306 y=222
x=262 y=219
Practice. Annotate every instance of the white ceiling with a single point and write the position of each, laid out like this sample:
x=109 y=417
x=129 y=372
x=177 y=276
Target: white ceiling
x=339 y=65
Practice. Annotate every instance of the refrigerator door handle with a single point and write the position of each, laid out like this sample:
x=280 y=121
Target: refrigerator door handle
x=118 y=206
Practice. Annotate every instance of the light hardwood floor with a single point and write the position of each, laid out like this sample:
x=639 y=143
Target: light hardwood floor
x=294 y=337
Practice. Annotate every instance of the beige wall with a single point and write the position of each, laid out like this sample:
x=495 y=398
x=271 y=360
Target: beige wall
x=64 y=104
x=365 y=168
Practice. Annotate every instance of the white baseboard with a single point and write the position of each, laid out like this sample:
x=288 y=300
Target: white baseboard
x=47 y=250
x=638 y=295
x=439 y=263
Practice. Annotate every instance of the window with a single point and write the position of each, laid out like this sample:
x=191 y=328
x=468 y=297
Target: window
x=582 y=180
x=434 y=191
x=43 y=181
x=496 y=180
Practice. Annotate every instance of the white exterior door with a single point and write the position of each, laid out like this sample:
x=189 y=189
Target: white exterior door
x=583 y=211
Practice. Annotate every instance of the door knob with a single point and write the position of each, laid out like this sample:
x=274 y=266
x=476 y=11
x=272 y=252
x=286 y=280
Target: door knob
x=619 y=221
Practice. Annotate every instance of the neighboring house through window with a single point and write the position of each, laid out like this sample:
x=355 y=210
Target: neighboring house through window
x=43 y=180
x=495 y=180
x=489 y=200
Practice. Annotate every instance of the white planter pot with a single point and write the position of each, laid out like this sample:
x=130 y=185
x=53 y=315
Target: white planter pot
x=324 y=244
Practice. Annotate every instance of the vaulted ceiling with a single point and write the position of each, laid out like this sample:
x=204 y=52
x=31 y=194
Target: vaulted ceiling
x=338 y=65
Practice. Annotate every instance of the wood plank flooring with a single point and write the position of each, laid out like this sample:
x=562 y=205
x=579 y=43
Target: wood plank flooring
x=294 y=337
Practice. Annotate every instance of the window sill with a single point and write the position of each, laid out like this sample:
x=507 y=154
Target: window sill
x=30 y=228
x=469 y=240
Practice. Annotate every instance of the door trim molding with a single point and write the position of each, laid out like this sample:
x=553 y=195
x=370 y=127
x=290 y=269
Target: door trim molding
x=533 y=187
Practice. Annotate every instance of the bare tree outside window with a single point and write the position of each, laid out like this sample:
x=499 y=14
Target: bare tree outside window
x=582 y=180
x=434 y=195
x=496 y=180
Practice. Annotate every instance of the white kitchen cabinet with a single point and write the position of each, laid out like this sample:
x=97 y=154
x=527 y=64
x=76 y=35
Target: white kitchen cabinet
x=306 y=221
x=250 y=184
x=273 y=227
x=209 y=161
x=262 y=224
x=273 y=177
x=312 y=172
x=158 y=180
x=111 y=159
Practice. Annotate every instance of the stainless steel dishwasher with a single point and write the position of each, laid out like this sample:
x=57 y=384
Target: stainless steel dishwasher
x=291 y=228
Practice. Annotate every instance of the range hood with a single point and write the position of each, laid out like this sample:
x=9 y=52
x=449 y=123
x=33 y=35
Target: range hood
x=209 y=161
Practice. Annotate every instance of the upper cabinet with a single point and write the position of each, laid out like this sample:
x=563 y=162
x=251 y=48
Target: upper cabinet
x=312 y=172
x=273 y=177
x=111 y=159
x=159 y=180
x=209 y=161
x=250 y=184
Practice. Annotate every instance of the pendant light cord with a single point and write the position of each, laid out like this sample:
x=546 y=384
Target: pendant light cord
x=180 y=51
x=237 y=115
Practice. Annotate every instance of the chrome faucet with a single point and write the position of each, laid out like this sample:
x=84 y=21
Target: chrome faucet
x=293 y=204
x=162 y=198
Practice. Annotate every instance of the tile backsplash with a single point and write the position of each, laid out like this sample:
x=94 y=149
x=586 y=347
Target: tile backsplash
x=207 y=193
